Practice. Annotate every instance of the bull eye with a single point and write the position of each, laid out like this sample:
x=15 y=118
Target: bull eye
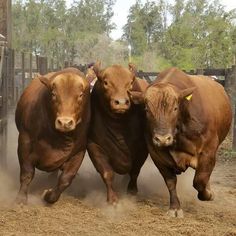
x=105 y=83
x=176 y=108
x=81 y=95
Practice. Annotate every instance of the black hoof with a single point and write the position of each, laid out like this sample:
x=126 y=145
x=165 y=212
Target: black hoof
x=207 y=195
x=49 y=196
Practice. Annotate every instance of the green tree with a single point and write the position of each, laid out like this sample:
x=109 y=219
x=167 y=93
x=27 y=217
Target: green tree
x=48 y=28
x=199 y=36
x=145 y=26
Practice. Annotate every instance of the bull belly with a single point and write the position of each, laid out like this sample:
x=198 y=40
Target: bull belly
x=48 y=158
x=121 y=165
x=119 y=159
x=51 y=164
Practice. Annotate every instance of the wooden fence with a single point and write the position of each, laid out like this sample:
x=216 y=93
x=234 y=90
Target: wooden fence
x=226 y=77
x=18 y=69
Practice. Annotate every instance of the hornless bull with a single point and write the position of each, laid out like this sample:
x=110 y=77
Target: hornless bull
x=52 y=117
x=116 y=140
x=187 y=119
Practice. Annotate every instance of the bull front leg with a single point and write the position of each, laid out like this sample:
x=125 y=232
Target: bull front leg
x=69 y=171
x=27 y=168
x=99 y=159
x=202 y=176
x=171 y=181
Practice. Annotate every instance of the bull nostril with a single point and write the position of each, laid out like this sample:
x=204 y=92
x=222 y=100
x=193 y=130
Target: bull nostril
x=156 y=139
x=116 y=102
x=70 y=123
x=168 y=139
x=127 y=102
x=59 y=122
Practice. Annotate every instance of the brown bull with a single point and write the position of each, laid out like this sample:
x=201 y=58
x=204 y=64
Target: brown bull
x=116 y=137
x=52 y=117
x=187 y=119
x=91 y=77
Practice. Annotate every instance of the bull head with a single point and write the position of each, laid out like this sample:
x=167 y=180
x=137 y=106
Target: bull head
x=116 y=82
x=67 y=92
x=164 y=105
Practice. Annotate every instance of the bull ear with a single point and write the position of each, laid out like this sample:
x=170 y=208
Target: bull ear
x=187 y=93
x=137 y=97
x=45 y=81
x=132 y=68
x=97 y=69
x=90 y=75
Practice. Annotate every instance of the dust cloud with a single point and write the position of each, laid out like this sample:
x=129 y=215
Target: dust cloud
x=9 y=173
x=89 y=187
x=88 y=184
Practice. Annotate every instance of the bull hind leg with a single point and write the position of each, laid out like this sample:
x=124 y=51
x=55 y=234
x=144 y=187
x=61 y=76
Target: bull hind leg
x=134 y=173
x=98 y=157
x=202 y=176
x=69 y=171
x=27 y=168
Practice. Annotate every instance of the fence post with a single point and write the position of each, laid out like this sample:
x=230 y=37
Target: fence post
x=66 y=64
x=3 y=106
x=2 y=85
x=229 y=90
x=23 y=70
x=43 y=65
x=227 y=84
x=232 y=75
x=51 y=65
x=13 y=75
x=30 y=66
x=5 y=82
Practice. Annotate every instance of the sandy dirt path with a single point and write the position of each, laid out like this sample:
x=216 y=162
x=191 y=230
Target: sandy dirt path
x=82 y=209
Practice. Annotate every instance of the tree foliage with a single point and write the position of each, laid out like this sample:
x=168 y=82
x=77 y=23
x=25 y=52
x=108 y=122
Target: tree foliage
x=188 y=34
x=48 y=27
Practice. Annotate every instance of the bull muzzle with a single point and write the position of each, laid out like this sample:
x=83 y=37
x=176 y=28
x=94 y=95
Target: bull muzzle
x=65 y=124
x=120 y=105
x=163 y=140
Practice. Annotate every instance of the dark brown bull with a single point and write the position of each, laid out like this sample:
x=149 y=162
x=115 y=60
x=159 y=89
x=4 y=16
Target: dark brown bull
x=116 y=137
x=52 y=117
x=187 y=119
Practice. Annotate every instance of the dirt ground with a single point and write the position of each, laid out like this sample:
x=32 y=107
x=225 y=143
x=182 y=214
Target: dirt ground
x=82 y=209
